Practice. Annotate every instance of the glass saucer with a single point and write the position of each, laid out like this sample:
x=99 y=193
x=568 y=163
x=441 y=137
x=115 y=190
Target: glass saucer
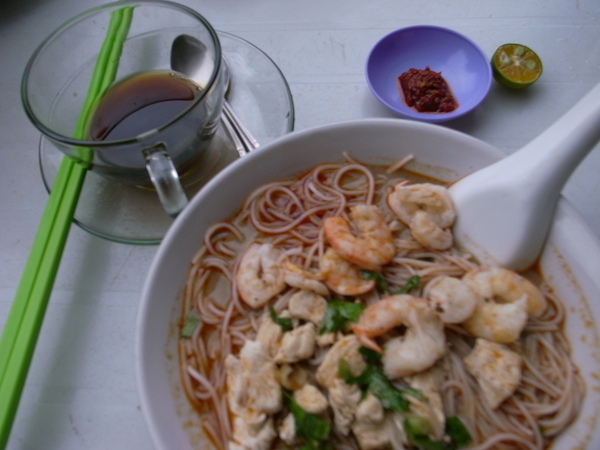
x=261 y=98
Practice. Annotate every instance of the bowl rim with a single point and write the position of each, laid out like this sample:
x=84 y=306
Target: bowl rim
x=428 y=117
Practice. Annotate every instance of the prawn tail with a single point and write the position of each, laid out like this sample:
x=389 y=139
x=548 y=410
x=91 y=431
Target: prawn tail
x=365 y=340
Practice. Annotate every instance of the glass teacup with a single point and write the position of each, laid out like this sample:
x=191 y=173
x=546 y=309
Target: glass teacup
x=155 y=149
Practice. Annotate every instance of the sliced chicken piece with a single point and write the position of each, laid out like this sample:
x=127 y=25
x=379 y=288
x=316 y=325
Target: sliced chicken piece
x=269 y=334
x=344 y=399
x=346 y=348
x=308 y=306
x=263 y=390
x=292 y=377
x=326 y=339
x=311 y=399
x=252 y=381
x=248 y=436
x=253 y=392
x=497 y=370
x=432 y=408
x=287 y=430
x=370 y=410
x=297 y=344
x=369 y=426
x=259 y=277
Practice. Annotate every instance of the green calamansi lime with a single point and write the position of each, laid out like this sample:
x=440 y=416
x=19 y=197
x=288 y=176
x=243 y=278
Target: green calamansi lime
x=516 y=66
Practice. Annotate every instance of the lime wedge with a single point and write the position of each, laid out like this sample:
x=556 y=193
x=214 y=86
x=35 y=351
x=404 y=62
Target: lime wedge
x=516 y=66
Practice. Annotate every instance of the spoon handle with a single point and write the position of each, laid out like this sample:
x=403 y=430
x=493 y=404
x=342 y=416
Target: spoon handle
x=548 y=161
x=230 y=129
x=505 y=210
x=239 y=126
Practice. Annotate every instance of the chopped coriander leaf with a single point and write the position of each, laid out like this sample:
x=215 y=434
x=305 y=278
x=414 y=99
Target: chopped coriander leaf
x=284 y=323
x=192 y=321
x=412 y=284
x=415 y=393
x=386 y=392
x=313 y=430
x=377 y=277
x=374 y=380
x=320 y=445
x=371 y=356
x=338 y=314
x=457 y=432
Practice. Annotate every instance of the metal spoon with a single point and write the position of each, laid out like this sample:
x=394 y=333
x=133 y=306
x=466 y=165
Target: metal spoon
x=505 y=210
x=190 y=57
x=243 y=134
x=241 y=145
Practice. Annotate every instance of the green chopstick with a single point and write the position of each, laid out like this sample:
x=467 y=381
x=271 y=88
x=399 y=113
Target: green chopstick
x=25 y=318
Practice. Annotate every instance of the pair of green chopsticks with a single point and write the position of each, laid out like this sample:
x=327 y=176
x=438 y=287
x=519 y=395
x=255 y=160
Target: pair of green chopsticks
x=29 y=306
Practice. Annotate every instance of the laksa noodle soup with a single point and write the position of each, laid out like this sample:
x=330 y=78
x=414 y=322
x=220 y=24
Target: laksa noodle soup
x=334 y=311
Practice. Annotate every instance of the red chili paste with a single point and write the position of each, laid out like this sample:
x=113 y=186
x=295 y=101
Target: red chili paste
x=426 y=91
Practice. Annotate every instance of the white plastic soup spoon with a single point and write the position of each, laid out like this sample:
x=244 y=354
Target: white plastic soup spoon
x=505 y=210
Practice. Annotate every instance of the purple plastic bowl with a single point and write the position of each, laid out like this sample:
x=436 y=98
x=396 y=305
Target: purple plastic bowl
x=461 y=62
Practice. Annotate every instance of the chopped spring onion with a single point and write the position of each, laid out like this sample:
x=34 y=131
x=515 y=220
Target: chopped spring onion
x=192 y=321
x=412 y=284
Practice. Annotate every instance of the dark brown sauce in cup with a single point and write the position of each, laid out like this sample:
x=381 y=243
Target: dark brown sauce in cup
x=141 y=102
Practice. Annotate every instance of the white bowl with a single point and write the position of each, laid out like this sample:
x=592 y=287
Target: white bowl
x=570 y=260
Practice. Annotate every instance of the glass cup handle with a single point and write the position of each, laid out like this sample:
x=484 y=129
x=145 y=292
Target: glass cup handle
x=165 y=179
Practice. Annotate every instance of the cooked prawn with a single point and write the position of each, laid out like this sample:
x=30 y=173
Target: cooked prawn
x=341 y=276
x=259 y=276
x=422 y=344
x=451 y=298
x=506 y=301
x=427 y=210
x=300 y=278
x=372 y=247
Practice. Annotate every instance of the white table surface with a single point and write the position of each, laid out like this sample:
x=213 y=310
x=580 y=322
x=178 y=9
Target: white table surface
x=81 y=392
